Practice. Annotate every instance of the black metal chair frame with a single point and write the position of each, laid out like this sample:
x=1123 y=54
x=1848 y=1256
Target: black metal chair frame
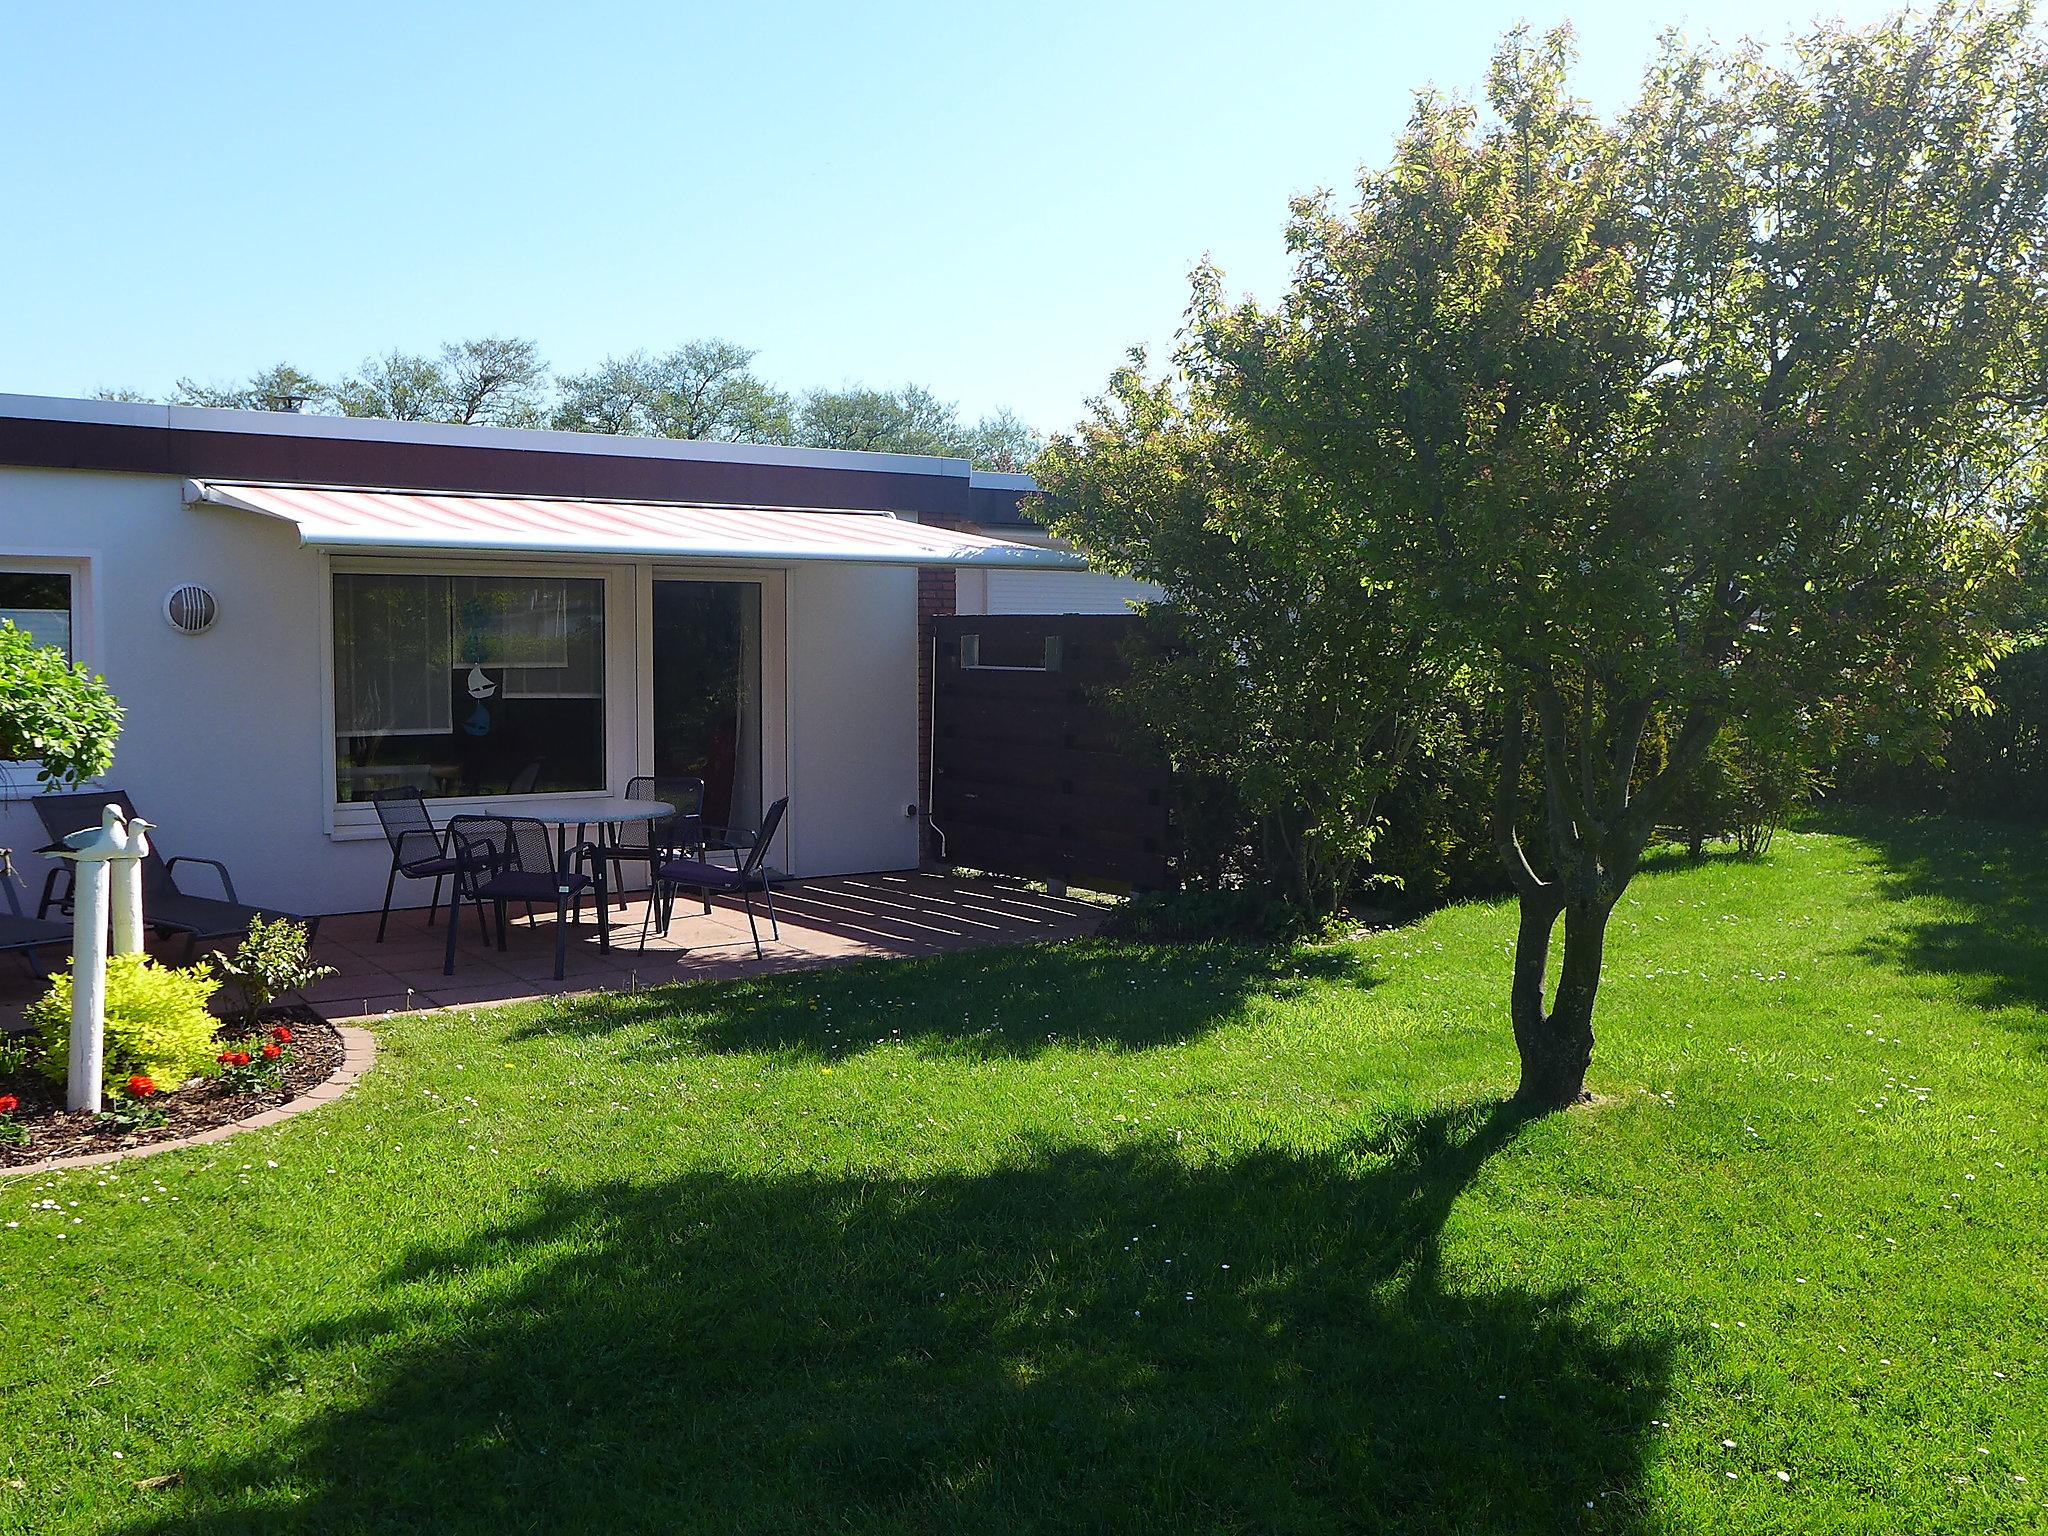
x=432 y=857
x=744 y=877
x=489 y=867
x=165 y=908
x=20 y=933
x=667 y=836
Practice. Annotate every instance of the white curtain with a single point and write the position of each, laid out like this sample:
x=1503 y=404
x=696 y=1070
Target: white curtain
x=746 y=766
x=391 y=655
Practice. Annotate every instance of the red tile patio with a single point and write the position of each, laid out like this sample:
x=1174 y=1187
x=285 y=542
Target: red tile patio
x=824 y=922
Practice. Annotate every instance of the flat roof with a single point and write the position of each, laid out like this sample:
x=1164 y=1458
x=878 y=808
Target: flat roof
x=289 y=447
x=371 y=429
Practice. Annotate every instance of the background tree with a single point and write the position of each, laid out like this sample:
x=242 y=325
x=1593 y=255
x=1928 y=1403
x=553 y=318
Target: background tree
x=281 y=387
x=497 y=381
x=1706 y=413
x=399 y=386
x=1288 y=690
x=911 y=420
x=702 y=389
x=1005 y=441
x=906 y=420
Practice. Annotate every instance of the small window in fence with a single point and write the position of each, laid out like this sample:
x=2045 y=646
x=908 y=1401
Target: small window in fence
x=1011 y=654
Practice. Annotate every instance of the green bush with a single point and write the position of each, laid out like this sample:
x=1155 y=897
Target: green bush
x=1436 y=842
x=270 y=962
x=52 y=712
x=1743 y=791
x=1993 y=765
x=158 y=1023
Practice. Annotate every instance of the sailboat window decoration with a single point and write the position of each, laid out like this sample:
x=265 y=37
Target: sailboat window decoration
x=480 y=688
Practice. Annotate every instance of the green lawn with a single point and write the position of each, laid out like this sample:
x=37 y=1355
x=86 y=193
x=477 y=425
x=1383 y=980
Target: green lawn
x=1098 y=1238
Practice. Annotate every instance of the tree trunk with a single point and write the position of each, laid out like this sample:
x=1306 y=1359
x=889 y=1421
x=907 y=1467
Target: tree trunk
x=1556 y=1044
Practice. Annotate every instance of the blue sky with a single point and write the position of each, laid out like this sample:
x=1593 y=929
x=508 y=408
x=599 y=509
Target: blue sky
x=992 y=201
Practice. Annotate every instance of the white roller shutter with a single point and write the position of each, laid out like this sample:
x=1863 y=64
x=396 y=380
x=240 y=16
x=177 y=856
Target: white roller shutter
x=1064 y=592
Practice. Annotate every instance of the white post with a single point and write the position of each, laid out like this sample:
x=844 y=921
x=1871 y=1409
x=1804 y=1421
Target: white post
x=89 y=850
x=127 y=888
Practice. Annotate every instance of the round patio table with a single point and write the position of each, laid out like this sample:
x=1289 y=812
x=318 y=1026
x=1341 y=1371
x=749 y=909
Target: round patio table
x=583 y=813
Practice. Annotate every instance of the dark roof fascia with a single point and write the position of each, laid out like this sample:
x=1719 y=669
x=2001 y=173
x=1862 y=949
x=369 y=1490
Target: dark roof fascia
x=439 y=466
x=1004 y=507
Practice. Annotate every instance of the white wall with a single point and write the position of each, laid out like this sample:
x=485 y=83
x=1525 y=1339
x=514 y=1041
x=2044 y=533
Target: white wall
x=224 y=738
x=228 y=738
x=852 y=716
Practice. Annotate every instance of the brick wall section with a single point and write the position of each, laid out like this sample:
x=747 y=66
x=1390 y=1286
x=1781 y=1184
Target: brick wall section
x=937 y=592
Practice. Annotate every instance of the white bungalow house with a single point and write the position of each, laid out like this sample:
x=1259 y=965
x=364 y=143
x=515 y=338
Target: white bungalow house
x=297 y=610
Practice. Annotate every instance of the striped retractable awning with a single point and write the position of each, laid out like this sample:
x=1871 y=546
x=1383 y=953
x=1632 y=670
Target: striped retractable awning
x=347 y=518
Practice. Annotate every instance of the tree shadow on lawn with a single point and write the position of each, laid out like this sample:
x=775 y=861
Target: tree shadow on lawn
x=1008 y=1351
x=1010 y=1002
x=1993 y=875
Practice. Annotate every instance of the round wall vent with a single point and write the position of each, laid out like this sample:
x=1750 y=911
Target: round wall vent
x=191 y=609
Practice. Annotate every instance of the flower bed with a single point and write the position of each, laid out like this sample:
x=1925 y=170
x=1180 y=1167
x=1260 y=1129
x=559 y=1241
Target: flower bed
x=307 y=1054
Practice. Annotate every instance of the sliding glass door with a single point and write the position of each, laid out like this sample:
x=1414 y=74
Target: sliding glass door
x=707 y=693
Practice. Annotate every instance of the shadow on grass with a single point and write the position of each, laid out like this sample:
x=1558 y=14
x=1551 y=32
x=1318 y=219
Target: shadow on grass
x=1080 y=1341
x=1993 y=877
x=1012 y=1002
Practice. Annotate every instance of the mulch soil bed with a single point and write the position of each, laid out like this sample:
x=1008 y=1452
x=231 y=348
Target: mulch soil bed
x=54 y=1131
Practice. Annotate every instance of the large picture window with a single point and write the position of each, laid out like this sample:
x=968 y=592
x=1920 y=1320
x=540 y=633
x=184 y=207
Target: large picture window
x=467 y=685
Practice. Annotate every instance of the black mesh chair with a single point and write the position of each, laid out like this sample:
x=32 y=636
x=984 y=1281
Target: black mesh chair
x=25 y=935
x=419 y=849
x=668 y=836
x=503 y=859
x=746 y=877
x=165 y=908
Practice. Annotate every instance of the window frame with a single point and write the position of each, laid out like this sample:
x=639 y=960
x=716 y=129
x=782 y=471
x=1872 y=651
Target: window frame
x=356 y=820
x=19 y=776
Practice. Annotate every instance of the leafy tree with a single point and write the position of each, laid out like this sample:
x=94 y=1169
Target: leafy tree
x=1004 y=441
x=911 y=420
x=494 y=381
x=1290 y=689
x=278 y=388
x=399 y=386
x=702 y=389
x=1710 y=412
x=52 y=712
x=906 y=420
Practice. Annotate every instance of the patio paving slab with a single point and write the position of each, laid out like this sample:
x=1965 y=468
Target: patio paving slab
x=823 y=922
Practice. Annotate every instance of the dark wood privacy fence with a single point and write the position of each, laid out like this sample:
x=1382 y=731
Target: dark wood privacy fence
x=1032 y=773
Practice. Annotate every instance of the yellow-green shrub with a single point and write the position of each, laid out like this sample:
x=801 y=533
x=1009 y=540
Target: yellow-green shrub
x=157 y=1021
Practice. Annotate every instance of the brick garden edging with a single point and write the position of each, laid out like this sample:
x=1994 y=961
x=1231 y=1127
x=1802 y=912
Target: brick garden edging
x=358 y=1055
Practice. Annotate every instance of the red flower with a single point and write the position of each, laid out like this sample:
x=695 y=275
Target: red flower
x=233 y=1058
x=281 y=1033
x=272 y=1048
x=8 y=1103
x=141 y=1085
